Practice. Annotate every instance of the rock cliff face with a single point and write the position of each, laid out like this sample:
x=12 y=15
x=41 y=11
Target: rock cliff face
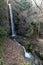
x=20 y=23
x=22 y=18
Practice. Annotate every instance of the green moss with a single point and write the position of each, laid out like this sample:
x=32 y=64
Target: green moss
x=28 y=47
x=26 y=64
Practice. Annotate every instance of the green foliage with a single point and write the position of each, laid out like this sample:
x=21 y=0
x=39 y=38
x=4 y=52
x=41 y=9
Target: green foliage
x=29 y=31
x=1 y=7
x=28 y=47
x=26 y=64
x=0 y=2
x=23 y=5
x=2 y=60
x=32 y=31
x=35 y=27
x=0 y=20
x=3 y=35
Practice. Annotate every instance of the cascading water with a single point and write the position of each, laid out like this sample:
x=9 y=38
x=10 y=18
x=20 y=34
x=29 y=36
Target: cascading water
x=12 y=22
x=29 y=55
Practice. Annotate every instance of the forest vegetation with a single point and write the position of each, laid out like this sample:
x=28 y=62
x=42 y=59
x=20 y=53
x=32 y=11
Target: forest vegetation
x=26 y=35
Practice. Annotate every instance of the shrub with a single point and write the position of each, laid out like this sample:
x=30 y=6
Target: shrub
x=23 y=5
x=33 y=29
x=26 y=64
x=28 y=47
x=3 y=35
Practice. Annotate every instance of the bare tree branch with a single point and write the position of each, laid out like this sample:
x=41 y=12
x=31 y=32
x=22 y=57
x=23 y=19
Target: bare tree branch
x=41 y=2
x=38 y=6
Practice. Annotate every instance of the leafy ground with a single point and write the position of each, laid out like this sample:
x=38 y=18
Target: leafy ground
x=13 y=53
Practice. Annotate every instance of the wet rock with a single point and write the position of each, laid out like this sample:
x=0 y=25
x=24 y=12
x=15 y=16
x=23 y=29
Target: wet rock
x=38 y=62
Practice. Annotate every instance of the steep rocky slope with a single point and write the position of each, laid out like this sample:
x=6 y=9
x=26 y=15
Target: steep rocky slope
x=13 y=53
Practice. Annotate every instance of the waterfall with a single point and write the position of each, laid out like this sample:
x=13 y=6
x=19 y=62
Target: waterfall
x=12 y=22
x=27 y=55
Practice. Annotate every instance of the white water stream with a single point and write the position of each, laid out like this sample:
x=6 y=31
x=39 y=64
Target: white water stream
x=12 y=22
